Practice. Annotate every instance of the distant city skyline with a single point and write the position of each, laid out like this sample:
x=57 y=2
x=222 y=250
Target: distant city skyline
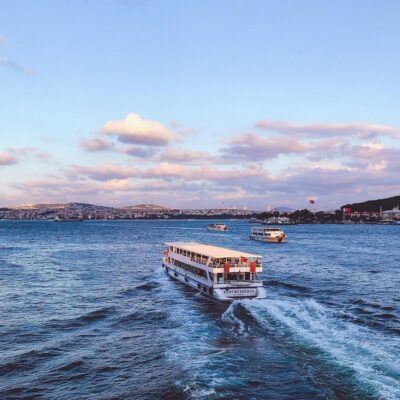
x=199 y=104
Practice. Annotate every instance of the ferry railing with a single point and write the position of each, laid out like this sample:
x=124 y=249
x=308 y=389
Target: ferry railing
x=237 y=265
x=232 y=281
x=198 y=261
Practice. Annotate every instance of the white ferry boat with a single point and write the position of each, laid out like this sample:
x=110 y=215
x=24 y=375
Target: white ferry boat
x=220 y=273
x=270 y=235
x=217 y=227
x=279 y=221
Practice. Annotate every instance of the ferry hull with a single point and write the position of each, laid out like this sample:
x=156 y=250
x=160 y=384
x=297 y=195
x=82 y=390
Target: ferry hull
x=228 y=293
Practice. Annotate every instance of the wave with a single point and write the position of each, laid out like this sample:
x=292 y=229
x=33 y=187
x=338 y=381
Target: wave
x=370 y=305
x=27 y=360
x=96 y=315
x=232 y=322
x=70 y=365
x=82 y=320
x=370 y=355
x=148 y=286
x=285 y=285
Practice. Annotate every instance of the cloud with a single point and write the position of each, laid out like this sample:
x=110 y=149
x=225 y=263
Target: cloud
x=102 y=172
x=359 y=130
x=28 y=152
x=5 y=62
x=12 y=64
x=99 y=145
x=168 y=170
x=137 y=151
x=7 y=159
x=94 y=145
x=182 y=131
x=252 y=176
x=184 y=156
x=134 y=129
x=254 y=147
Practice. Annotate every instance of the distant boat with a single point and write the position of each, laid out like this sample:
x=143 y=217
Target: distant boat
x=388 y=221
x=269 y=235
x=57 y=219
x=255 y=221
x=279 y=221
x=217 y=227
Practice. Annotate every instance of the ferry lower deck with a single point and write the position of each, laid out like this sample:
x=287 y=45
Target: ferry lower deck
x=216 y=272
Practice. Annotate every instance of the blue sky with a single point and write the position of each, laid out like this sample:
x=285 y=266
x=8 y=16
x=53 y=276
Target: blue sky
x=207 y=72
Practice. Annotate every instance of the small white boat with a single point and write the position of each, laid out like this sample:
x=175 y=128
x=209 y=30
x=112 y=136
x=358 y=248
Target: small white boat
x=216 y=272
x=217 y=227
x=388 y=221
x=270 y=235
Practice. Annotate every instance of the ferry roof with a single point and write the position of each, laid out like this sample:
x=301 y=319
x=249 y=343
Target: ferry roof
x=211 y=251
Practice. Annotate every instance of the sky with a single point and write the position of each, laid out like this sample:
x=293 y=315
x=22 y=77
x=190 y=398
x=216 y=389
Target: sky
x=199 y=104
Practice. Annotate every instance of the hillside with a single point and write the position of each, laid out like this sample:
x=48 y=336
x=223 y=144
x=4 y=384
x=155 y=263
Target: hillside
x=374 y=205
x=58 y=206
x=147 y=207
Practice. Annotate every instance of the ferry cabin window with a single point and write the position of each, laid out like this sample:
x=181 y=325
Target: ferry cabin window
x=191 y=268
x=234 y=276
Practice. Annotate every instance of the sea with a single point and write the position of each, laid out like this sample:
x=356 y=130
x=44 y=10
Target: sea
x=86 y=312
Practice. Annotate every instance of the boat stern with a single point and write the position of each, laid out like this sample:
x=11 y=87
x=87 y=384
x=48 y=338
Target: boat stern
x=232 y=293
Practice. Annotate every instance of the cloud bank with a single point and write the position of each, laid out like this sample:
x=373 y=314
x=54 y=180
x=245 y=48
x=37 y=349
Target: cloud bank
x=281 y=163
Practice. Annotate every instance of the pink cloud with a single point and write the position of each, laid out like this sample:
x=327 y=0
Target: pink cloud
x=137 y=151
x=184 y=156
x=165 y=169
x=24 y=153
x=254 y=147
x=360 y=130
x=103 y=172
x=94 y=145
x=7 y=159
x=137 y=130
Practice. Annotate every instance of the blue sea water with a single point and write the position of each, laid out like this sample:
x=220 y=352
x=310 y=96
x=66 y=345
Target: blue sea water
x=86 y=312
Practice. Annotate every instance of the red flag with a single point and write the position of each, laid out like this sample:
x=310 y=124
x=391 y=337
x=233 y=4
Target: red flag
x=347 y=210
x=312 y=201
x=243 y=260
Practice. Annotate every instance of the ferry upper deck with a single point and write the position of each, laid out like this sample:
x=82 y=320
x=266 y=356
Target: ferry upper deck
x=206 y=250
